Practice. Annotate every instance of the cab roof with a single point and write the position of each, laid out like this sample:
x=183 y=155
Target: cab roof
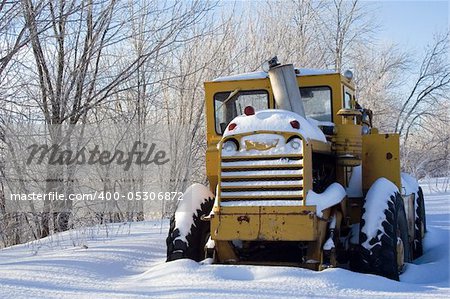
x=263 y=75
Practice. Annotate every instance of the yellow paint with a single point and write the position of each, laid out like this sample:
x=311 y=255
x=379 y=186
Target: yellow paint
x=378 y=154
x=335 y=81
x=292 y=223
x=381 y=158
x=347 y=144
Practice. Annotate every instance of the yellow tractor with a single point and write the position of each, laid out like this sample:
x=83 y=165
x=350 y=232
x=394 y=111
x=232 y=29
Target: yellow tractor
x=298 y=176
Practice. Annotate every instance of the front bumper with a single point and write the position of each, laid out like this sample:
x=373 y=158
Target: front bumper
x=265 y=223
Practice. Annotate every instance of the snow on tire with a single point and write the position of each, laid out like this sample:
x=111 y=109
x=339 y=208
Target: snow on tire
x=188 y=233
x=383 y=226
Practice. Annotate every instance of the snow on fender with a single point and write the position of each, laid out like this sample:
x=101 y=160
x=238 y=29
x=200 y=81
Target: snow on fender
x=333 y=195
x=409 y=184
x=376 y=203
x=384 y=227
x=187 y=231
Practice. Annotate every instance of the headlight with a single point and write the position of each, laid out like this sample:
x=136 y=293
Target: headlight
x=230 y=146
x=365 y=130
x=295 y=143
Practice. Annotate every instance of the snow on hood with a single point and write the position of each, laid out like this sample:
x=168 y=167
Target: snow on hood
x=275 y=120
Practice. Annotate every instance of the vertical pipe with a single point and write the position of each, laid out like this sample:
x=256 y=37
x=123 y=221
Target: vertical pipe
x=285 y=88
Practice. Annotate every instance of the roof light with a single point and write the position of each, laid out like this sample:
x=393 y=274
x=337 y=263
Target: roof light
x=348 y=74
x=232 y=126
x=295 y=124
x=249 y=110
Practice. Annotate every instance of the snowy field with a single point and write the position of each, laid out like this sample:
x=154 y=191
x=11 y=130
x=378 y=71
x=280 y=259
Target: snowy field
x=127 y=261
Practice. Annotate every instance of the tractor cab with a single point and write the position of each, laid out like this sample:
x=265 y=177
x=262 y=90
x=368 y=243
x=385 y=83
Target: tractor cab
x=323 y=93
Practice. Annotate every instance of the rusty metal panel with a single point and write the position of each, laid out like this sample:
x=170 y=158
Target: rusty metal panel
x=264 y=223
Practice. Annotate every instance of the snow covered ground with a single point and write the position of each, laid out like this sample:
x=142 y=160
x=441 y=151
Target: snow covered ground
x=127 y=261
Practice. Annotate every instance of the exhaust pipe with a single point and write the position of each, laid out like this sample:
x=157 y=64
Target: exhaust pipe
x=285 y=88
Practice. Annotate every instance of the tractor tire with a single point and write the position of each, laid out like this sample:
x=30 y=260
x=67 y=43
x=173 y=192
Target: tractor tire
x=422 y=209
x=192 y=245
x=420 y=226
x=381 y=258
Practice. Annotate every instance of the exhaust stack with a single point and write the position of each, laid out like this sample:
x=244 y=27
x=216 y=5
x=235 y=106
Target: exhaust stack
x=285 y=88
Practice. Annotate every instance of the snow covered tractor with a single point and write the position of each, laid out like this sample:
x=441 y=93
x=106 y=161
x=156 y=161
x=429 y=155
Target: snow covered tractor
x=298 y=176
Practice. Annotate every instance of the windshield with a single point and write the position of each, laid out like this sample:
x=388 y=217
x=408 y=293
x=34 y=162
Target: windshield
x=230 y=104
x=317 y=102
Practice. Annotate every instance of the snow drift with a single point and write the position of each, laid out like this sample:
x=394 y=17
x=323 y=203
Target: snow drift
x=127 y=261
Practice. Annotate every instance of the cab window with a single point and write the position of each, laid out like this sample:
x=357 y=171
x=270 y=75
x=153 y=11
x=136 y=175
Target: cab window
x=317 y=102
x=347 y=98
x=228 y=105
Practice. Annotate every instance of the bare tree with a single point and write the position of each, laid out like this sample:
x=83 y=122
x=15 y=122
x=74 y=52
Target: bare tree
x=13 y=33
x=430 y=87
x=426 y=151
x=287 y=29
x=183 y=99
x=379 y=76
x=73 y=74
x=144 y=62
x=344 y=24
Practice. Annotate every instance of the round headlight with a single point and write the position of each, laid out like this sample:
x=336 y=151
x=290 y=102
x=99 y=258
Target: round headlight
x=230 y=146
x=295 y=143
x=365 y=130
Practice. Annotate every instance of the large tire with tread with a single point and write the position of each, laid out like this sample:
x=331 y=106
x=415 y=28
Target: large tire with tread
x=419 y=225
x=192 y=246
x=381 y=258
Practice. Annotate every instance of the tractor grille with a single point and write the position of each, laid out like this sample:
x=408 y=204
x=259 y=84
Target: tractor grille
x=273 y=177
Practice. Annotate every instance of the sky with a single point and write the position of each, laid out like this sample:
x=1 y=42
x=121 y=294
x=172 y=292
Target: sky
x=412 y=23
